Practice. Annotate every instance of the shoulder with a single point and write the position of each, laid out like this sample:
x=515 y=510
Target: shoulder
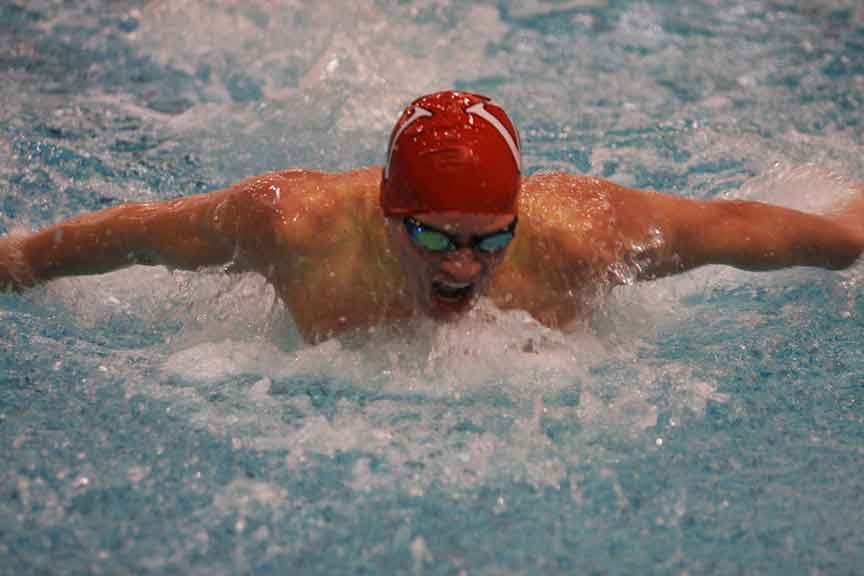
x=570 y=191
x=569 y=200
x=568 y=208
x=308 y=193
x=311 y=209
x=579 y=223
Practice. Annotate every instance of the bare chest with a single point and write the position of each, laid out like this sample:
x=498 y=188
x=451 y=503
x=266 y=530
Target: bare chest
x=347 y=291
x=555 y=300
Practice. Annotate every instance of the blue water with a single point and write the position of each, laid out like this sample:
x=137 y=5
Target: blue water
x=155 y=422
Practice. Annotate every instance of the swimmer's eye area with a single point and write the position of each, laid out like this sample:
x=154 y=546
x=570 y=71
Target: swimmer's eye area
x=433 y=240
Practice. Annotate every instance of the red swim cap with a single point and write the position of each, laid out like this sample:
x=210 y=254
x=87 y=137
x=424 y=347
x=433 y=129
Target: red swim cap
x=452 y=151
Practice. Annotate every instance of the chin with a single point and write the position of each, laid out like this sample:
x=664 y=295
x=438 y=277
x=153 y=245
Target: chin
x=449 y=310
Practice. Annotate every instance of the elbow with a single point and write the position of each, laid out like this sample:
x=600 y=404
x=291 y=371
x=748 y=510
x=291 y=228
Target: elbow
x=838 y=255
x=846 y=250
x=843 y=260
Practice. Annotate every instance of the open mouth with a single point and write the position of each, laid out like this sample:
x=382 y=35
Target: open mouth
x=452 y=291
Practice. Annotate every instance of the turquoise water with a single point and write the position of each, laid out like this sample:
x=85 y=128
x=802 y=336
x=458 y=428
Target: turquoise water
x=155 y=422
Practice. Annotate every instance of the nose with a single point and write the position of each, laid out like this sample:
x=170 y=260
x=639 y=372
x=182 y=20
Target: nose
x=462 y=265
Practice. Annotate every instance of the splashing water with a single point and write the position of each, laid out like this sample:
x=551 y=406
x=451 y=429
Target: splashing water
x=160 y=422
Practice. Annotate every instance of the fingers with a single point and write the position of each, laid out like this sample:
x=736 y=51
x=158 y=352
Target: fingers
x=15 y=272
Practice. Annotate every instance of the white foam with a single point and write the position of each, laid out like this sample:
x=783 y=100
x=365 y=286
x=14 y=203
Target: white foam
x=465 y=400
x=495 y=394
x=199 y=306
x=364 y=61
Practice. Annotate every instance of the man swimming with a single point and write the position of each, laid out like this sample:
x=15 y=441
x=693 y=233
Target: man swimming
x=448 y=218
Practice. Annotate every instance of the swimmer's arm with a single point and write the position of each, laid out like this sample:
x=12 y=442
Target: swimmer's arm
x=186 y=233
x=747 y=235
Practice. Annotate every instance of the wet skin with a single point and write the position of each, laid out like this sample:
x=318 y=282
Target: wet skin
x=339 y=265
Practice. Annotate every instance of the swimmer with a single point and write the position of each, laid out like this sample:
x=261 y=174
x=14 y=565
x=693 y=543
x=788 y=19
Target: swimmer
x=448 y=218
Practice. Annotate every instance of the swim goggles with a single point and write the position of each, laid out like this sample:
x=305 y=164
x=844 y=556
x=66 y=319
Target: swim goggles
x=433 y=240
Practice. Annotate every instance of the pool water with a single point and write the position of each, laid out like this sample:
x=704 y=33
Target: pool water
x=154 y=422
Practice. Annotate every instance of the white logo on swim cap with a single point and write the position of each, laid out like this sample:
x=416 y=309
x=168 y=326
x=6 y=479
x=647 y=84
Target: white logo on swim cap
x=480 y=110
x=416 y=114
x=477 y=109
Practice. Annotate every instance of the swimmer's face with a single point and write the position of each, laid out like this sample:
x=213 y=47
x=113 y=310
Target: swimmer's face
x=449 y=258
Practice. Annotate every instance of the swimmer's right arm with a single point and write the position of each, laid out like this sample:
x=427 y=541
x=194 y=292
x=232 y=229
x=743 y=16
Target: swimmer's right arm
x=186 y=233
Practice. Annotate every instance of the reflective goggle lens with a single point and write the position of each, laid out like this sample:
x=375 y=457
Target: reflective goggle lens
x=437 y=241
x=432 y=240
x=494 y=242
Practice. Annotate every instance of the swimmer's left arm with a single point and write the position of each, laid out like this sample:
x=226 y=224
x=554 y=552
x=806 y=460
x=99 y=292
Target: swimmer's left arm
x=747 y=235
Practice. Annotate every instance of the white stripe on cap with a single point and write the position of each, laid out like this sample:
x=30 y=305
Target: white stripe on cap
x=416 y=114
x=480 y=110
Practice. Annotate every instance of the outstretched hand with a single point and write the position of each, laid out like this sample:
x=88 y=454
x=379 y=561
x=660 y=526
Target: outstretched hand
x=15 y=273
x=851 y=217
